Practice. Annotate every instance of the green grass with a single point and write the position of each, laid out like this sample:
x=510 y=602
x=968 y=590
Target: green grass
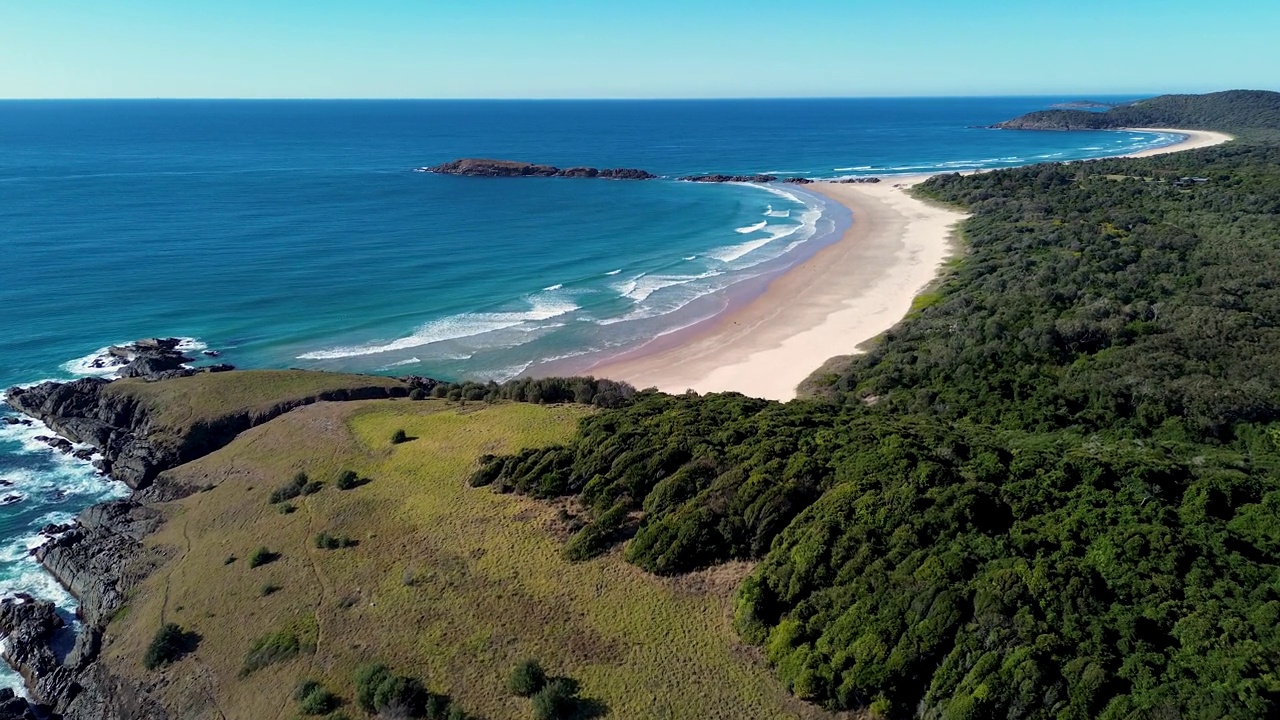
x=184 y=402
x=449 y=584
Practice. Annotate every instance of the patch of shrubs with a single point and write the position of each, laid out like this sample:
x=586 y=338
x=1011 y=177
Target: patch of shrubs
x=598 y=536
x=557 y=700
x=170 y=643
x=269 y=589
x=300 y=485
x=261 y=557
x=552 y=698
x=399 y=436
x=384 y=693
x=314 y=699
x=417 y=394
x=270 y=649
x=325 y=541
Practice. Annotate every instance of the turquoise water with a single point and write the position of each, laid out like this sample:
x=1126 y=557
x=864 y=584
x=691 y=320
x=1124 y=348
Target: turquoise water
x=295 y=234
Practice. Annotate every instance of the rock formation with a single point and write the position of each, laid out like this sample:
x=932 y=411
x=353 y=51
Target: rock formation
x=730 y=178
x=480 y=167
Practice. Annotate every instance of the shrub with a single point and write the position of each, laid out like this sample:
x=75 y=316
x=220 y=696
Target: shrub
x=261 y=557
x=347 y=480
x=270 y=649
x=169 y=644
x=300 y=479
x=555 y=701
x=418 y=394
x=527 y=679
x=268 y=589
x=314 y=699
x=400 y=436
x=285 y=492
x=325 y=541
x=230 y=559
x=401 y=696
x=286 y=509
x=368 y=678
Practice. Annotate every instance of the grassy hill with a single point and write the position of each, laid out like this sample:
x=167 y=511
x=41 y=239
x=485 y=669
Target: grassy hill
x=447 y=583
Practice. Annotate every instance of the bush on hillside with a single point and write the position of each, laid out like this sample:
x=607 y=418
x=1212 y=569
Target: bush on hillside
x=270 y=649
x=314 y=699
x=400 y=436
x=347 y=480
x=556 y=701
x=261 y=557
x=170 y=643
x=526 y=679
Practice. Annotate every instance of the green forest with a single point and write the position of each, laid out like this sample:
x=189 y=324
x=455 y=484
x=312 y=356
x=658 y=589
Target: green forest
x=1053 y=491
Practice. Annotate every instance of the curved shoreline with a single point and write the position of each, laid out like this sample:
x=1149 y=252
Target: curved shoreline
x=847 y=293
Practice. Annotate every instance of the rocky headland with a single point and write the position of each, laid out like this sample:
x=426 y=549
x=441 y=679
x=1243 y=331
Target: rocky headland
x=481 y=167
x=100 y=557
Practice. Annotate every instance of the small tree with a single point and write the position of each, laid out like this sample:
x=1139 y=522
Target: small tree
x=347 y=479
x=555 y=701
x=527 y=679
x=261 y=557
x=169 y=644
x=400 y=436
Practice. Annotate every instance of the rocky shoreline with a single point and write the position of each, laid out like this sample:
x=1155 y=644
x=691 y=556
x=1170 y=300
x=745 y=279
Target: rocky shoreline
x=100 y=557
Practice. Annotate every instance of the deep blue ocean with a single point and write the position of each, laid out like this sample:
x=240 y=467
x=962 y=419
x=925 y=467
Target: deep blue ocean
x=296 y=234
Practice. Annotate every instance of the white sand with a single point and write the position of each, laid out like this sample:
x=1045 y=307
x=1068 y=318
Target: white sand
x=846 y=294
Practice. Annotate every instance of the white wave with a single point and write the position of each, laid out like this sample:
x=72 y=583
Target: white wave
x=752 y=228
x=614 y=272
x=453 y=328
x=853 y=169
x=557 y=286
x=402 y=363
x=692 y=257
x=777 y=213
x=642 y=286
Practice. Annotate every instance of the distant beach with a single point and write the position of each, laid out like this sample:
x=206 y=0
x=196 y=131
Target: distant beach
x=843 y=296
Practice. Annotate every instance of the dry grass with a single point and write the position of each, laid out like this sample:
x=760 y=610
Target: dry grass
x=452 y=584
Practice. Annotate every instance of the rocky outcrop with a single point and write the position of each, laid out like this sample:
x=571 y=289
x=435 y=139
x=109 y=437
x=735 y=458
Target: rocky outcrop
x=857 y=180
x=122 y=429
x=1060 y=120
x=730 y=178
x=71 y=688
x=480 y=167
x=798 y=181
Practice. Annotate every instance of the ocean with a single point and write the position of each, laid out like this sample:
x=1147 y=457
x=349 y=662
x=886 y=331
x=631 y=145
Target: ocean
x=297 y=234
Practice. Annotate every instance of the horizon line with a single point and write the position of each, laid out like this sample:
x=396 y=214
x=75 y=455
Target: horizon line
x=1083 y=96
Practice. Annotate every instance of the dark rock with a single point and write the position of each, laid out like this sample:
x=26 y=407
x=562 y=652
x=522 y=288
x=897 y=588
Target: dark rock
x=858 y=180
x=417 y=382
x=86 y=454
x=798 y=181
x=730 y=178
x=220 y=367
x=480 y=167
x=15 y=421
x=211 y=353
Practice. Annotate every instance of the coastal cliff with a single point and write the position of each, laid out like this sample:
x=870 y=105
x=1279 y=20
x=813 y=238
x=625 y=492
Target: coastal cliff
x=1231 y=110
x=142 y=428
x=120 y=419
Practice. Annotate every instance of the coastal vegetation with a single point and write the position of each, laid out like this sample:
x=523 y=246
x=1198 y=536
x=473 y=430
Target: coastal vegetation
x=1052 y=491
x=451 y=585
x=1250 y=112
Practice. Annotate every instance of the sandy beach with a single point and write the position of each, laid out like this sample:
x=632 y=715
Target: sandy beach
x=846 y=294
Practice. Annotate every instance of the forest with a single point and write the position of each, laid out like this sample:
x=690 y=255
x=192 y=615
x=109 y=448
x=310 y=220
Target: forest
x=1053 y=491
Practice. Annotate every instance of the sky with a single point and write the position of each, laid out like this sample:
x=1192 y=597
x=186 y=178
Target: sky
x=635 y=49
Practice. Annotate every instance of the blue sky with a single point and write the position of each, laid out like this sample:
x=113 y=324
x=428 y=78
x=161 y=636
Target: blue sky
x=641 y=48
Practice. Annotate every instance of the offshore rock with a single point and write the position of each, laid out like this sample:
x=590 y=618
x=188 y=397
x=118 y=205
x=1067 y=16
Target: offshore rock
x=481 y=167
x=730 y=178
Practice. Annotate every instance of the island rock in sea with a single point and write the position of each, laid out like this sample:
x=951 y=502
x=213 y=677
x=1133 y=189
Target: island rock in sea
x=479 y=167
x=730 y=178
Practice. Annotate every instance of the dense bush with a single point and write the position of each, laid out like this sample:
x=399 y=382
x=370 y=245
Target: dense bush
x=347 y=480
x=526 y=679
x=1052 y=492
x=261 y=557
x=170 y=643
x=300 y=485
x=314 y=699
x=399 y=436
x=557 y=700
x=325 y=541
